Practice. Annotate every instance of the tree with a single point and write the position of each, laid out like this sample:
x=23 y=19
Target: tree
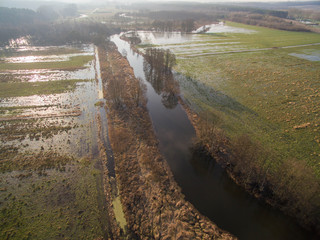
x=70 y=10
x=47 y=12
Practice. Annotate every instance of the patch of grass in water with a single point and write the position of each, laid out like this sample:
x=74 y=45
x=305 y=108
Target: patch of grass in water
x=18 y=109
x=118 y=212
x=146 y=45
x=99 y=104
x=74 y=63
x=46 y=52
x=17 y=89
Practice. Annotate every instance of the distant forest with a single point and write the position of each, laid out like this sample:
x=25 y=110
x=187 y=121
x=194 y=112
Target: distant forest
x=49 y=26
x=260 y=14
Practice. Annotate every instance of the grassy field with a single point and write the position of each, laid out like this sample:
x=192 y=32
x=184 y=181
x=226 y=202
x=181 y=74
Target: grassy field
x=217 y=43
x=74 y=63
x=267 y=37
x=270 y=95
x=52 y=203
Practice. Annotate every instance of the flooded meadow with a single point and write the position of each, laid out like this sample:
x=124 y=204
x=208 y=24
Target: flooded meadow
x=51 y=175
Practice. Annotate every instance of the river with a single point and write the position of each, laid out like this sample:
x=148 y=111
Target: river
x=203 y=182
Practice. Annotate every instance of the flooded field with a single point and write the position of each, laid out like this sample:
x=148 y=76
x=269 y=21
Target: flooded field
x=310 y=54
x=223 y=38
x=51 y=178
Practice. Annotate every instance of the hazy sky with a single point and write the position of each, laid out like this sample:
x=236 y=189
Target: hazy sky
x=81 y=1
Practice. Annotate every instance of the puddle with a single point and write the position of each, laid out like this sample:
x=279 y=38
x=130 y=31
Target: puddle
x=313 y=57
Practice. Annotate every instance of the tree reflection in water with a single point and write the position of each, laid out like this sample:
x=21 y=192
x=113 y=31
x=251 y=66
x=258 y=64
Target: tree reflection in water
x=157 y=68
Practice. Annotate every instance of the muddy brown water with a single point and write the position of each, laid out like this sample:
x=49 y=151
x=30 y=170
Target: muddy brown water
x=204 y=183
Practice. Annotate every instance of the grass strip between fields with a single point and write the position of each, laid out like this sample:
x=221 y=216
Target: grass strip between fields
x=73 y=64
x=19 y=89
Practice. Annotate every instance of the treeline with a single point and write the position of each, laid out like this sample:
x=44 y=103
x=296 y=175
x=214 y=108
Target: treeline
x=208 y=9
x=290 y=185
x=176 y=20
x=16 y=23
x=168 y=17
x=177 y=15
x=58 y=33
x=187 y=25
x=267 y=21
x=211 y=12
x=72 y=32
x=302 y=14
x=18 y=16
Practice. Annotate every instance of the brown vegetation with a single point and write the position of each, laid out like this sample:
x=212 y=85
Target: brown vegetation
x=153 y=203
x=289 y=185
x=267 y=21
x=114 y=229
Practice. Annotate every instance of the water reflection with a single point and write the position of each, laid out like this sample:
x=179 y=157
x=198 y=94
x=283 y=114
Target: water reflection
x=49 y=58
x=163 y=84
x=63 y=122
x=38 y=75
x=160 y=38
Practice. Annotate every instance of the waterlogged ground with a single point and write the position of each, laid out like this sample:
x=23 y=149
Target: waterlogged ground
x=273 y=97
x=51 y=185
x=225 y=38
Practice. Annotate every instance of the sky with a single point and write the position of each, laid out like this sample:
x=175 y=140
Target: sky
x=82 y=1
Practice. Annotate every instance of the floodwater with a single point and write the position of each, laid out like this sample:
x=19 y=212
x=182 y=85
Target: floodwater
x=188 y=44
x=38 y=75
x=50 y=58
x=159 y=38
x=314 y=57
x=204 y=183
x=70 y=115
x=222 y=28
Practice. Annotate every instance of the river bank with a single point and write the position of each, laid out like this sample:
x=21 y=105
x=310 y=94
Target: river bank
x=153 y=204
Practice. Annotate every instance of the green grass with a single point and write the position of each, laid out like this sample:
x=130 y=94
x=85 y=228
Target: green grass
x=146 y=45
x=18 y=89
x=267 y=37
x=264 y=94
x=53 y=204
x=74 y=63
x=118 y=212
x=262 y=38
